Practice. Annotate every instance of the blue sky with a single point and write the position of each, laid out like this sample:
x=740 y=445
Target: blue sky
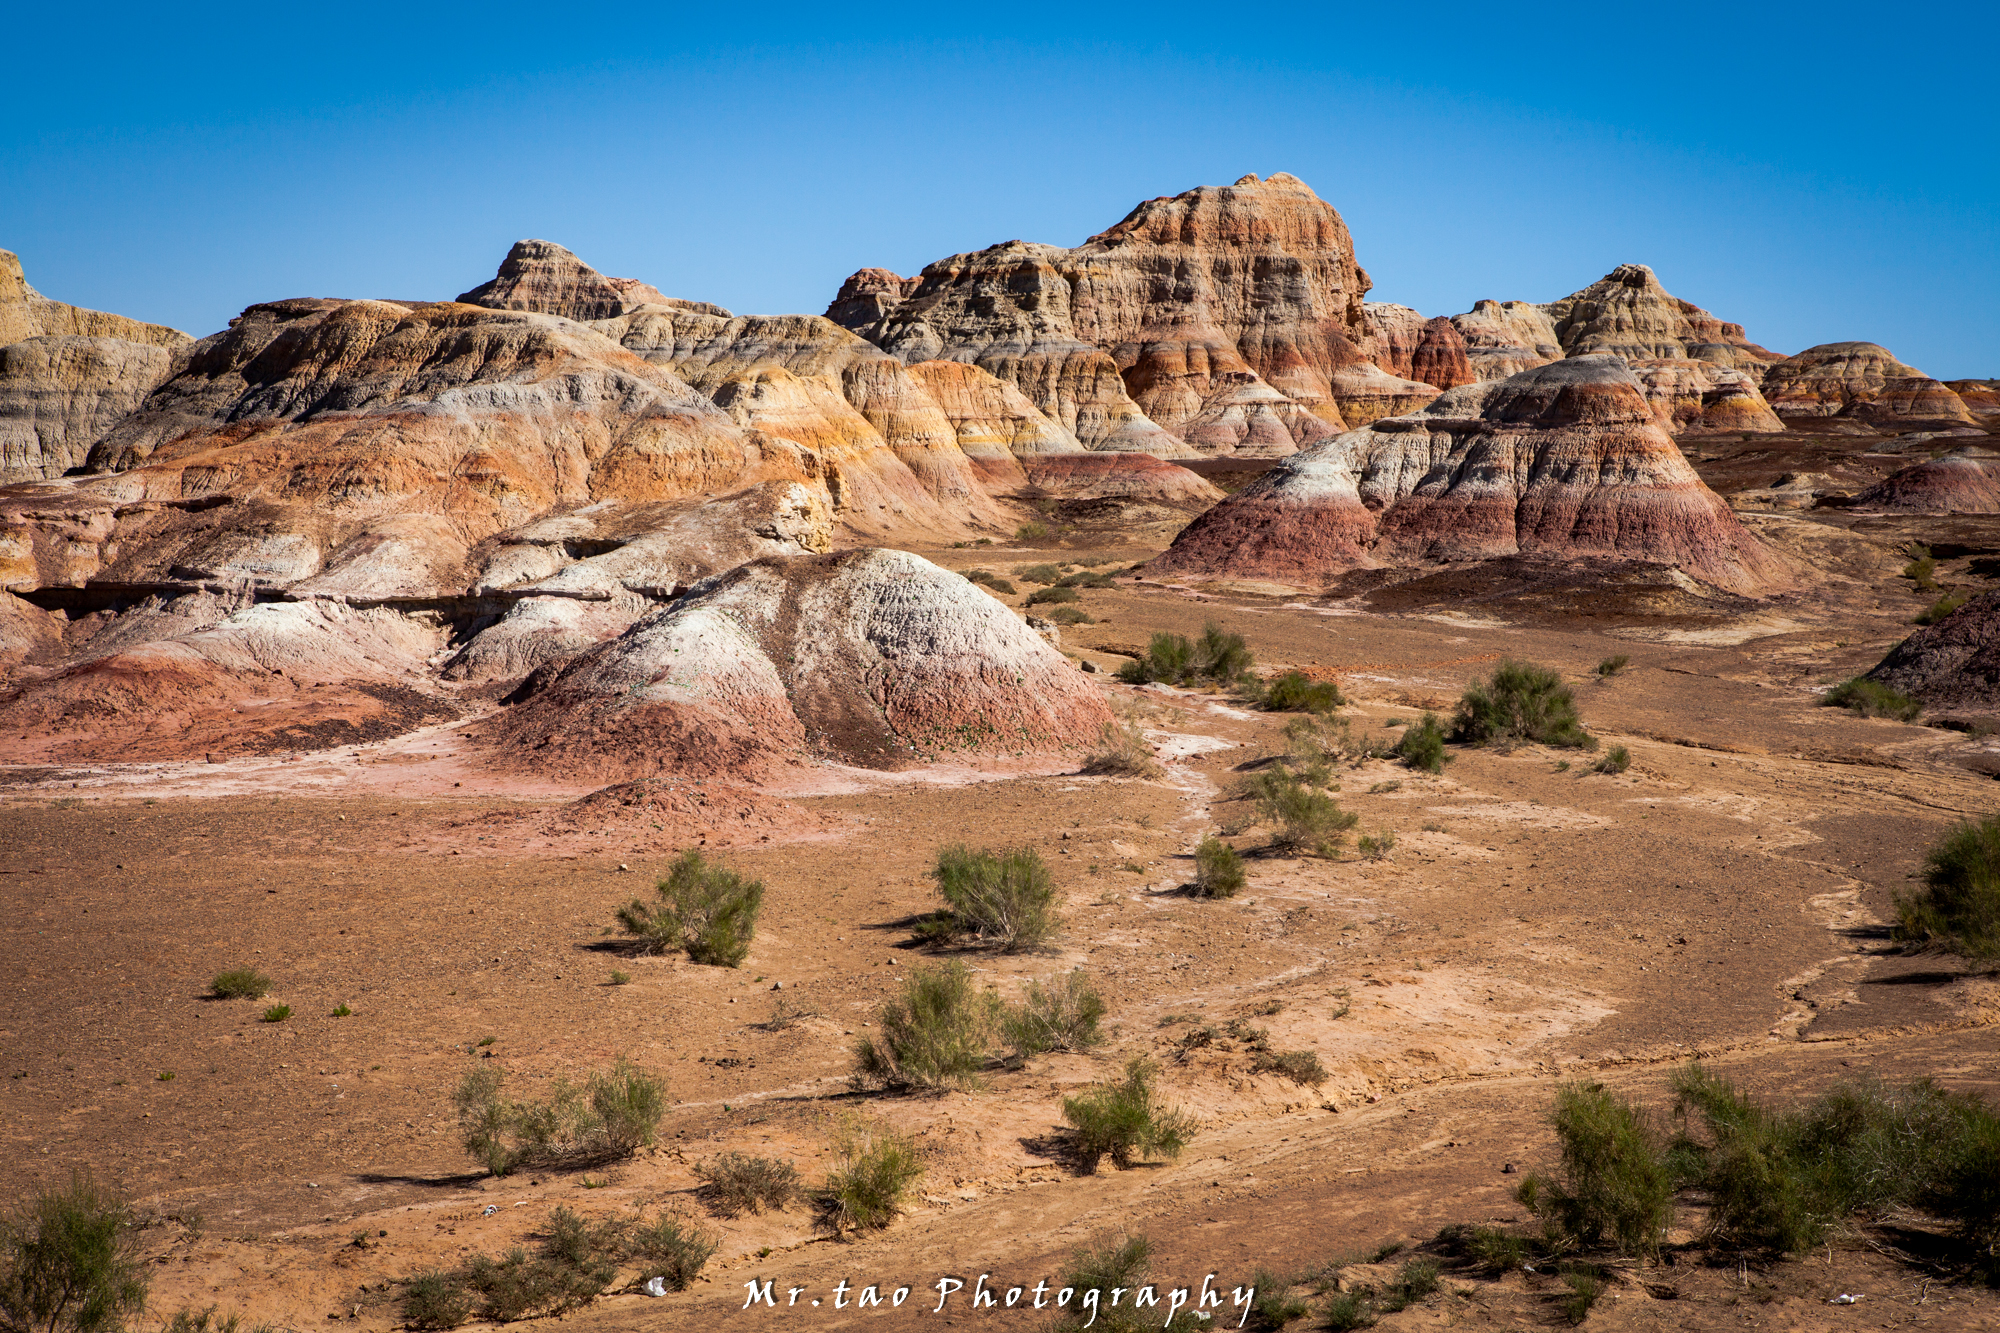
x=1818 y=173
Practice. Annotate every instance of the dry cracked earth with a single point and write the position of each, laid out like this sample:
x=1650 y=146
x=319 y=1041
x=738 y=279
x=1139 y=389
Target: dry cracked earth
x=1536 y=922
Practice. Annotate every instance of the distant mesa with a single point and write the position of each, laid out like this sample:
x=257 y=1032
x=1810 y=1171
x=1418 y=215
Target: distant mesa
x=1565 y=460
x=544 y=277
x=1862 y=381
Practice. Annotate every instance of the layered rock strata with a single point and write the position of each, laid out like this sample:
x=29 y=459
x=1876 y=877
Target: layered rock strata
x=1957 y=483
x=1953 y=663
x=543 y=277
x=1859 y=380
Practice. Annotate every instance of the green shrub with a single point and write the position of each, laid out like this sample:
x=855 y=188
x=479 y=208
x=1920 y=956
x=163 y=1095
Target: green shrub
x=1922 y=569
x=1296 y=692
x=1088 y=578
x=1611 y=666
x=1072 y=615
x=1415 y=1280
x=436 y=1299
x=1064 y=1015
x=1301 y=1067
x=627 y=1104
x=1348 y=1310
x=991 y=580
x=1053 y=596
x=1039 y=574
x=1614 y=1188
x=1422 y=746
x=1031 y=532
x=277 y=1013
x=1307 y=820
x=1489 y=1249
x=934 y=1035
x=1376 y=846
x=68 y=1263
x=1615 y=760
x=867 y=1189
x=706 y=910
x=1121 y=1120
x=1942 y=607
x=672 y=1249
x=1585 y=1284
x=1868 y=698
x=1217 y=656
x=1123 y=752
x=734 y=1183
x=341 y=1010
x=1218 y=869
x=1001 y=898
x=211 y=1320
x=1096 y=1274
x=1520 y=703
x=611 y=1117
x=1275 y=1306
x=239 y=983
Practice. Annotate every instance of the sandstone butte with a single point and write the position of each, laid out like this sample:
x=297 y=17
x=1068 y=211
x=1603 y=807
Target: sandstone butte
x=1952 y=663
x=67 y=375
x=1223 y=320
x=1960 y=482
x=1562 y=461
x=1861 y=381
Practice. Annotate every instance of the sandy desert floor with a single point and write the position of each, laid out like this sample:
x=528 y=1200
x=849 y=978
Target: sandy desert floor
x=1536 y=922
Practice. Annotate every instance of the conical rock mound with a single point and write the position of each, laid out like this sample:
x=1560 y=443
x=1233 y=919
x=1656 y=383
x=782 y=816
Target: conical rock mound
x=1954 y=663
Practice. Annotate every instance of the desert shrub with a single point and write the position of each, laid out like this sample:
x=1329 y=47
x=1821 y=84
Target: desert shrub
x=868 y=1187
x=786 y=1014
x=1296 y=692
x=1415 y=1280
x=707 y=910
x=1301 y=1067
x=1072 y=615
x=1611 y=666
x=341 y=1010
x=1376 y=846
x=1053 y=596
x=611 y=1117
x=991 y=580
x=1275 y=1306
x=436 y=1299
x=239 y=983
x=1615 y=760
x=1039 y=574
x=67 y=1262
x=1520 y=702
x=734 y=1183
x=1942 y=607
x=1087 y=578
x=1422 y=746
x=1218 y=656
x=519 y=1285
x=276 y=1013
x=1868 y=698
x=934 y=1035
x=1306 y=819
x=212 y=1320
x=1123 y=1121
x=1348 y=1310
x=1489 y=1249
x=1922 y=569
x=1065 y=1015
x=1122 y=752
x=1218 y=869
x=1584 y=1284
x=1094 y=1274
x=1614 y=1188
x=1031 y=532
x=1002 y=898
x=673 y=1249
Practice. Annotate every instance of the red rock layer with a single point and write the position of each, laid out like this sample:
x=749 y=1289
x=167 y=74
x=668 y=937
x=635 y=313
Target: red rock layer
x=1627 y=312
x=1101 y=476
x=1954 y=484
x=1981 y=397
x=1439 y=359
x=1954 y=663
x=1394 y=332
x=1857 y=379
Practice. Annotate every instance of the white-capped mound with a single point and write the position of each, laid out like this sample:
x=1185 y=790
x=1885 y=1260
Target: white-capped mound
x=869 y=657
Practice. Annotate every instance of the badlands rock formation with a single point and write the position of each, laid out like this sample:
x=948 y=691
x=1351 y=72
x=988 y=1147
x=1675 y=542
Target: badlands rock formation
x=1954 y=663
x=870 y=657
x=1627 y=312
x=1504 y=338
x=1961 y=482
x=67 y=375
x=1565 y=461
x=1858 y=380
x=543 y=277
x=1981 y=397
x=1221 y=320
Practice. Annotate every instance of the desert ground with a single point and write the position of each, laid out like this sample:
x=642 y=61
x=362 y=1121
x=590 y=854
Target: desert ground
x=1536 y=922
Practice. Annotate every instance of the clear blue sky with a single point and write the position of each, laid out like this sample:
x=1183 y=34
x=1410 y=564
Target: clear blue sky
x=1818 y=172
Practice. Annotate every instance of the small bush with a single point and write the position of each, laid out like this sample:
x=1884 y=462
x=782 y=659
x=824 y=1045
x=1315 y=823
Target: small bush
x=436 y=1299
x=1615 y=1188
x=1585 y=1285
x=934 y=1035
x=611 y=1117
x=1296 y=692
x=868 y=1188
x=1275 y=1306
x=1520 y=703
x=67 y=1262
x=1072 y=615
x=1415 y=1280
x=627 y=1104
x=1053 y=596
x=1039 y=574
x=1088 y=578
x=1348 y=1310
x=211 y=1320
x=1488 y=1249
x=706 y=910
x=1062 y=1016
x=1611 y=666
x=1867 y=698
x=1217 y=656
x=786 y=1015
x=1922 y=569
x=1122 y=1121
x=1615 y=760
x=1307 y=820
x=1031 y=532
x=1001 y=898
x=1123 y=752
x=277 y=1013
x=239 y=983
x=1096 y=1274
x=1301 y=1067
x=1942 y=607
x=341 y=1010
x=1958 y=908
x=1422 y=746
x=672 y=1249
x=1376 y=847
x=1218 y=869
x=991 y=580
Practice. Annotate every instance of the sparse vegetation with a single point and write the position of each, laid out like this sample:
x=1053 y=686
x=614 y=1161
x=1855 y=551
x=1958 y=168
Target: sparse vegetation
x=1031 y=532
x=1415 y=1280
x=341 y=1010
x=1301 y=1067
x=1585 y=1283
x=611 y=1117
x=1005 y=899
x=1039 y=574
x=1218 y=869
x=436 y=1299
x=1307 y=820
x=991 y=580
x=211 y=1320
x=1054 y=596
x=1520 y=703
x=1422 y=746
x=1942 y=607
x=1217 y=657
x=1958 y=908
x=673 y=1249
x=1867 y=698
x=1922 y=569
x=706 y=910
x=1296 y=692
x=867 y=1189
x=1087 y=578
x=277 y=1013
x=1348 y=1310
x=1376 y=846
x=1123 y=1121
x=1072 y=615
x=1275 y=1306
x=934 y=1035
x=1612 y=666
x=1122 y=752
x=239 y=983
x=735 y=1182
x=68 y=1263
x=786 y=1014
x=1614 y=1189
x=1064 y=1015
x=1614 y=760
